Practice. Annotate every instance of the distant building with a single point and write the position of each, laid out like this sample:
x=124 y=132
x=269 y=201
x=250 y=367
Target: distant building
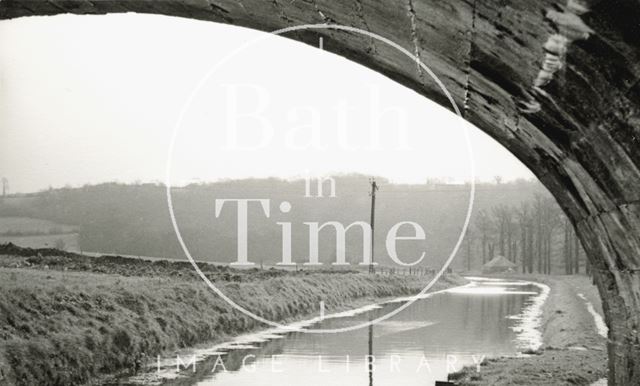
x=499 y=264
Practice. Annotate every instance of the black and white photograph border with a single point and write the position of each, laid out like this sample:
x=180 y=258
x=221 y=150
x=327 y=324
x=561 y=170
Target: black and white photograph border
x=119 y=265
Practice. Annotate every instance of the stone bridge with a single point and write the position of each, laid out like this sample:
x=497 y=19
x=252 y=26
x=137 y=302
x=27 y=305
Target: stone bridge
x=554 y=81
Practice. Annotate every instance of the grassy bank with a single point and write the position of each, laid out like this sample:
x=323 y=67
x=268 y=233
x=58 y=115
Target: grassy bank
x=65 y=318
x=573 y=353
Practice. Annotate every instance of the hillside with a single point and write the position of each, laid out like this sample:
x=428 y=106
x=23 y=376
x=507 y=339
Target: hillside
x=134 y=219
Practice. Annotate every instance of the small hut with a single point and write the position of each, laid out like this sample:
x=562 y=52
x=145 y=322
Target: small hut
x=499 y=264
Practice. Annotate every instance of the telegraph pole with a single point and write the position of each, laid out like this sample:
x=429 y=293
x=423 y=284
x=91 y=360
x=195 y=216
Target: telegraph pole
x=374 y=189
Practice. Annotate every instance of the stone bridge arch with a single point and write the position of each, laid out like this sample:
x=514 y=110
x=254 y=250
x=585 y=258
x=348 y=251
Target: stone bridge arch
x=555 y=82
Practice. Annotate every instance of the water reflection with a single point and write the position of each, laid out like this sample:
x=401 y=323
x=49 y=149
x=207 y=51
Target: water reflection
x=370 y=359
x=417 y=346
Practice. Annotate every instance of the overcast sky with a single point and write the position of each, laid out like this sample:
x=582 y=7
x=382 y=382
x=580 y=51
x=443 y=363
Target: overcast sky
x=97 y=98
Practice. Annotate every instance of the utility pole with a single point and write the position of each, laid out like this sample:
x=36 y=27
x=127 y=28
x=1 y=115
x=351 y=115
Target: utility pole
x=374 y=189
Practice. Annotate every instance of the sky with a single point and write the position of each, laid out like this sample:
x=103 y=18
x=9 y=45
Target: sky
x=90 y=99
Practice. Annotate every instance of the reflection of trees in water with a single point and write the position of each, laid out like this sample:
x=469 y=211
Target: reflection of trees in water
x=483 y=314
x=476 y=324
x=465 y=316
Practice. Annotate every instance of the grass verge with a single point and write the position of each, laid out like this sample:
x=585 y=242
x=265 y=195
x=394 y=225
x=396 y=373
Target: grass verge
x=66 y=318
x=573 y=352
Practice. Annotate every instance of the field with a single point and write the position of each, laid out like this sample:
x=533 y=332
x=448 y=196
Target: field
x=66 y=318
x=38 y=233
x=26 y=225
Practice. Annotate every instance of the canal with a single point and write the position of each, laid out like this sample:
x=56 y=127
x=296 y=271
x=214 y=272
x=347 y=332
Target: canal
x=436 y=335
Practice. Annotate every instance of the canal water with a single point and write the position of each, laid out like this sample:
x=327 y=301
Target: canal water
x=419 y=345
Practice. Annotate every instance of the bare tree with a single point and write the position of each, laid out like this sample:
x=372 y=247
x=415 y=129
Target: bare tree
x=60 y=244
x=524 y=220
x=483 y=231
x=552 y=220
x=576 y=253
x=504 y=223
x=537 y=210
x=512 y=242
x=469 y=239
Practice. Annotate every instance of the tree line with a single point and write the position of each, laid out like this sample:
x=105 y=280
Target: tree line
x=518 y=220
x=535 y=235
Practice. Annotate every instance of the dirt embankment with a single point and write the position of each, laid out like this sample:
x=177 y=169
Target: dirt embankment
x=573 y=352
x=65 y=318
